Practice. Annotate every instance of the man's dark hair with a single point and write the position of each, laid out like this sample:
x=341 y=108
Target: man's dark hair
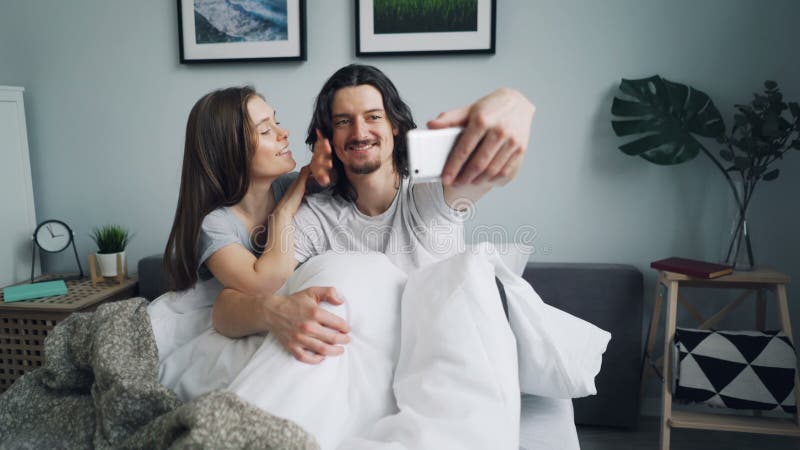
x=398 y=113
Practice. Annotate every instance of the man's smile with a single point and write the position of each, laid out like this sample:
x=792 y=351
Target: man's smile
x=360 y=146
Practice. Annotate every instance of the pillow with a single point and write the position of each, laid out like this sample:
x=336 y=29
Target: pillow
x=559 y=354
x=513 y=254
x=734 y=369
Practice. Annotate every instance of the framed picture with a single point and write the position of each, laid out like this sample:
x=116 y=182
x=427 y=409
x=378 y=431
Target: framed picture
x=241 y=30
x=409 y=27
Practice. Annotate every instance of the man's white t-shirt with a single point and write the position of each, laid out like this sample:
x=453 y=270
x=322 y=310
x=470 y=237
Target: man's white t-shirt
x=418 y=229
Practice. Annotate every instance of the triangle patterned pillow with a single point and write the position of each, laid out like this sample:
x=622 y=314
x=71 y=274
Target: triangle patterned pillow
x=734 y=369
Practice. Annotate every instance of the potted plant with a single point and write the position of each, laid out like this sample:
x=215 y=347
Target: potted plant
x=111 y=241
x=672 y=115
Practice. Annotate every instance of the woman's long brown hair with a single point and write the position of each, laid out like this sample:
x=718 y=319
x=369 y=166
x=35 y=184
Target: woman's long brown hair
x=220 y=140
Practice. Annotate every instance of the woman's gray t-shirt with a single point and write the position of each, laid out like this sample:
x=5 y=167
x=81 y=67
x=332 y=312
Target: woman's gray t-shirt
x=221 y=227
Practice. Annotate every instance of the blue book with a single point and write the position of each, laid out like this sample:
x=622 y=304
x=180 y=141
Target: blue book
x=35 y=290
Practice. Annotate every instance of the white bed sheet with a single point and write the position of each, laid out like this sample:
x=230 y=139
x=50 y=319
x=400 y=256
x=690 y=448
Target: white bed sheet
x=547 y=424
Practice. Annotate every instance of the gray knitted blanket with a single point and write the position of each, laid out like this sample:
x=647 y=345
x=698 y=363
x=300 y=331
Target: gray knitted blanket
x=99 y=389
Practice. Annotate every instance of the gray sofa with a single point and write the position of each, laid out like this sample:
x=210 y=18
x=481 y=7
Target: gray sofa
x=608 y=295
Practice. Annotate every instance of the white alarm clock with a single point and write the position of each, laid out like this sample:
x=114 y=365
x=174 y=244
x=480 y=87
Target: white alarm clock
x=54 y=236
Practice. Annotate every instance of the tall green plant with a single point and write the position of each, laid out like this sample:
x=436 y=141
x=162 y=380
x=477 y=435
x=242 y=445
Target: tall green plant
x=671 y=115
x=110 y=238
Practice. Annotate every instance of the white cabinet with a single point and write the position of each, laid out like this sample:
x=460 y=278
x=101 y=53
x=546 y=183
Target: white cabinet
x=17 y=214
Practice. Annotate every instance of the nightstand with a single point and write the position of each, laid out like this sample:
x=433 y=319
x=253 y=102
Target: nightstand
x=25 y=324
x=756 y=282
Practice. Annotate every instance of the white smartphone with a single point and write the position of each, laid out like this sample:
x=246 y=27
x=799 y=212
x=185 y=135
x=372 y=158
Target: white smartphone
x=428 y=151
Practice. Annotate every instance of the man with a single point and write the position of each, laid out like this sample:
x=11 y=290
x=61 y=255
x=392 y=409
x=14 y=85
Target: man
x=373 y=206
x=359 y=131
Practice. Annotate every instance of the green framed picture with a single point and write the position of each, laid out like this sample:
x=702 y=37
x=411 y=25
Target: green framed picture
x=410 y=27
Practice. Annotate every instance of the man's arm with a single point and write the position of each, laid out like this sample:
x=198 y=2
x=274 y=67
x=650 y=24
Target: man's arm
x=307 y=331
x=490 y=151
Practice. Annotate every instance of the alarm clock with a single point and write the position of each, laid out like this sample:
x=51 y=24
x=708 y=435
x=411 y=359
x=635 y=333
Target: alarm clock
x=54 y=236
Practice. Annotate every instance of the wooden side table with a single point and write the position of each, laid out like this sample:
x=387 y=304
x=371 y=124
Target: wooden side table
x=24 y=325
x=756 y=282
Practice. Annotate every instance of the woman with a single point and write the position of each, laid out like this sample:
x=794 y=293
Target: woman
x=237 y=198
x=234 y=158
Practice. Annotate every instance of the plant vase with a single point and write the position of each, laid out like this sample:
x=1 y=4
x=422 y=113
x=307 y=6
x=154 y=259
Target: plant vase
x=107 y=263
x=738 y=250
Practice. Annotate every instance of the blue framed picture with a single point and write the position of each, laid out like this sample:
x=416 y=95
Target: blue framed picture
x=241 y=30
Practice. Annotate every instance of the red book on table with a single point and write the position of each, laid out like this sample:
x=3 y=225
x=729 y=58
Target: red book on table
x=692 y=267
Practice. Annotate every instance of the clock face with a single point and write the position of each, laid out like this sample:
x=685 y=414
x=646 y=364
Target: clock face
x=53 y=236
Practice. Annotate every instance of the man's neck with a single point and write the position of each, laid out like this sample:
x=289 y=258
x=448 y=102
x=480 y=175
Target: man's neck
x=376 y=191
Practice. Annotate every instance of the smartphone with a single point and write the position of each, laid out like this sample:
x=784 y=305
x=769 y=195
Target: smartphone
x=428 y=151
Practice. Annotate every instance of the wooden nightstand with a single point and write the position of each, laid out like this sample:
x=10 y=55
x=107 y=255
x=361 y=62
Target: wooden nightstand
x=24 y=325
x=756 y=282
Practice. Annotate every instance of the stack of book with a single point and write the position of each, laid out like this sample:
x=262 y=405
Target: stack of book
x=692 y=267
x=34 y=290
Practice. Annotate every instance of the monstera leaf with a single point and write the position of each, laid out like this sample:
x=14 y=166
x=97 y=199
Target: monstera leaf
x=667 y=114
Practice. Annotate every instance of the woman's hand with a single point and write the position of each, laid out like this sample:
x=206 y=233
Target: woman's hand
x=278 y=256
x=293 y=197
x=322 y=161
x=307 y=331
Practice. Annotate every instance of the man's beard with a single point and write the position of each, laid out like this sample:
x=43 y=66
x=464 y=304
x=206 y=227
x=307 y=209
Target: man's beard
x=365 y=168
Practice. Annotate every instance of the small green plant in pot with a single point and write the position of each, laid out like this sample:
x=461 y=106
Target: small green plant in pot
x=111 y=240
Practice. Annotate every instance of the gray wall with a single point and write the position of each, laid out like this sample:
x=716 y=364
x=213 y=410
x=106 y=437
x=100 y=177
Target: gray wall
x=107 y=102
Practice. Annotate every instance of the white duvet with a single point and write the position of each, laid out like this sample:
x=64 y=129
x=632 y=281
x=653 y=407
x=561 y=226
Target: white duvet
x=432 y=361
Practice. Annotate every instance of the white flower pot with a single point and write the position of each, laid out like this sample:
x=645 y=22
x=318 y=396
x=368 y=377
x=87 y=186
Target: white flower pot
x=108 y=263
